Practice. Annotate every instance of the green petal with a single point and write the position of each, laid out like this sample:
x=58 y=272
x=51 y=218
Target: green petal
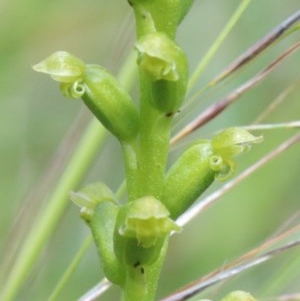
x=233 y=141
x=146 y=219
x=75 y=89
x=62 y=67
x=160 y=57
x=89 y=197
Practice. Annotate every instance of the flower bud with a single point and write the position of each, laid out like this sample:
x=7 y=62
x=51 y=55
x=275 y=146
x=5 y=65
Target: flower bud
x=188 y=178
x=165 y=65
x=230 y=143
x=101 y=92
x=141 y=229
x=89 y=197
x=146 y=220
x=102 y=225
x=110 y=103
x=99 y=209
x=238 y=296
x=202 y=163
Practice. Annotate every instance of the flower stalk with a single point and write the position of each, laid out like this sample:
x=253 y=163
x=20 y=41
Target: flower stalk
x=132 y=238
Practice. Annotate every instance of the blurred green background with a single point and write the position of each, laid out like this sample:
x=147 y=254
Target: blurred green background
x=35 y=118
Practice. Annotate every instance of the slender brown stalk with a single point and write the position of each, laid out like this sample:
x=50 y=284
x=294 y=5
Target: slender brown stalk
x=259 y=47
x=254 y=252
x=198 y=286
x=219 y=106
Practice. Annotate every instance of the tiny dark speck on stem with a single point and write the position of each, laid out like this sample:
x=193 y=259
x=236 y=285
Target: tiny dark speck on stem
x=137 y=264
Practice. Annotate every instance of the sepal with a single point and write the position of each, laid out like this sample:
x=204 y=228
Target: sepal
x=201 y=164
x=89 y=197
x=62 y=67
x=160 y=57
x=230 y=143
x=102 y=225
x=110 y=103
x=142 y=230
x=146 y=220
x=165 y=66
x=234 y=141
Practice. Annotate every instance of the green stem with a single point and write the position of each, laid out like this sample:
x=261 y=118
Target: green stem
x=136 y=287
x=141 y=282
x=153 y=149
x=145 y=173
x=131 y=164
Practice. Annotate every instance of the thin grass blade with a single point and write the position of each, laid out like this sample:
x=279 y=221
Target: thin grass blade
x=282 y=30
x=219 y=106
x=217 y=43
